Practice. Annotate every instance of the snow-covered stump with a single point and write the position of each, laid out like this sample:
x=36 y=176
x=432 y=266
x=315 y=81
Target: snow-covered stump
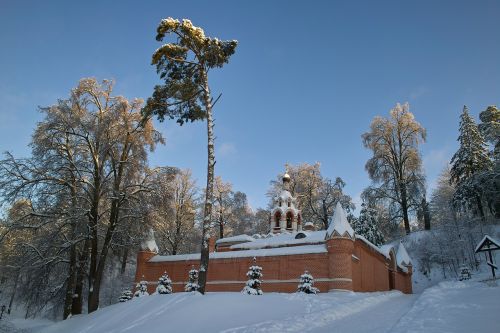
x=192 y=284
x=254 y=280
x=164 y=284
x=141 y=289
x=306 y=284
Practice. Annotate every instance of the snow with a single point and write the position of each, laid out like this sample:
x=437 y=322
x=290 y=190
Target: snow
x=149 y=244
x=486 y=237
x=339 y=223
x=284 y=239
x=402 y=257
x=235 y=239
x=282 y=251
x=458 y=307
x=454 y=307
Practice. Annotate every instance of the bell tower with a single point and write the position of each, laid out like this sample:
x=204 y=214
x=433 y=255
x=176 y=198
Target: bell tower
x=285 y=216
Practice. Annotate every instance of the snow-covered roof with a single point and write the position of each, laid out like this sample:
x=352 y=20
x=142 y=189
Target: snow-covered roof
x=283 y=239
x=386 y=249
x=235 y=239
x=149 y=244
x=281 y=251
x=373 y=246
x=339 y=223
x=490 y=241
x=402 y=257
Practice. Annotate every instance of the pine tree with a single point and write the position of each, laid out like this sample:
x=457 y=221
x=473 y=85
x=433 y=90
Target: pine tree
x=192 y=285
x=126 y=296
x=470 y=160
x=141 y=289
x=366 y=225
x=254 y=280
x=164 y=284
x=306 y=284
x=490 y=129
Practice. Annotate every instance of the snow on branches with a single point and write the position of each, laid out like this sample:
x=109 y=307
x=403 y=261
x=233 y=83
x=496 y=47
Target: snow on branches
x=254 y=282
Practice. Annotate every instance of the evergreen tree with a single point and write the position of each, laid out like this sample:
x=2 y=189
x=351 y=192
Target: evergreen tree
x=306 y=284
x=164 y=284
x=184 y=64
x=490 y=129
x=366 y=225
x=192 y=285
x=125 y=296
x=254 y=282
x=469 y=161
x=141 y=289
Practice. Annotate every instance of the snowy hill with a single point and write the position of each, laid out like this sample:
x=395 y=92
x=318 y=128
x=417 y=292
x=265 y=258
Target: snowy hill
x=447 y=307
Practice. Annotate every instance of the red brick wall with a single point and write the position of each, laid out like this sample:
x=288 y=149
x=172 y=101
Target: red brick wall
x=336 y=269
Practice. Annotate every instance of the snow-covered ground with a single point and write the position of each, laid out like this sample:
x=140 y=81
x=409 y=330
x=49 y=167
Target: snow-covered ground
x=471 y=306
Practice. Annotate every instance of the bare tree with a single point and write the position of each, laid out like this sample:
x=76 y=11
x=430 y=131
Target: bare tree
x=396 y=164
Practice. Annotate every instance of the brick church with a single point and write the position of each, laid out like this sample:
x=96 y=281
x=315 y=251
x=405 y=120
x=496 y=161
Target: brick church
x=337 y=257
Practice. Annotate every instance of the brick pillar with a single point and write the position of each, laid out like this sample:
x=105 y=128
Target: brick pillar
x=340 y=252
x=408 y=281
x=142 y=259
x=211 y=244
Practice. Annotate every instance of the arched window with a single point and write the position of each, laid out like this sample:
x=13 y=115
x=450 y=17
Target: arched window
x=289 y=203
x=277 y=218
x=289 y=219
x=280 y=203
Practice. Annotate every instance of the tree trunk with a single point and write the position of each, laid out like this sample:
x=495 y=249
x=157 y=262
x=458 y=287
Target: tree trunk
x=70 y=285
x=404 y=208
x=427 y=214
x=77 y=306
x=207 y=214
x=480 y=206
x=124 y=261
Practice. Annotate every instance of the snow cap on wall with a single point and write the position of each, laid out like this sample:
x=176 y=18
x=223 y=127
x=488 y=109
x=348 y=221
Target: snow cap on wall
x=402 y=257
x=149 y=244
x=339 y=225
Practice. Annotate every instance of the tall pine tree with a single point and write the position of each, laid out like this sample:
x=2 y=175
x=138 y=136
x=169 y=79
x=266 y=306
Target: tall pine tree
x=469 y=161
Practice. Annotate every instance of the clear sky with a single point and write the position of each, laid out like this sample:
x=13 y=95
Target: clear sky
x=305 y=82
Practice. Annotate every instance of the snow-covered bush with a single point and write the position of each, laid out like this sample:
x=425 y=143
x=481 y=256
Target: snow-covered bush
x=254 y=280
x=164 y=284
x=126 y=296
x=192 y=285
x=306 y=284
x=141 y=289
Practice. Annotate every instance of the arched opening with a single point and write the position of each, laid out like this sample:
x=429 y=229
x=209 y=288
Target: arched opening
x=280 y=202
x=277 y=218
x=289 y=203
x=289 y=219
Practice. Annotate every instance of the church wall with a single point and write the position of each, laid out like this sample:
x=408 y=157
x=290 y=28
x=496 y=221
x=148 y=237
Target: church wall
x=347 y=265
x=281 y=273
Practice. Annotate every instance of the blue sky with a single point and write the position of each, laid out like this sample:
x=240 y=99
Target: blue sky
x=305 y=82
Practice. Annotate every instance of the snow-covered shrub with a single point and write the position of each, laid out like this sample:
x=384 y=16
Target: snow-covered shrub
x=192 y=285
x=254 y=280
x=164 y=284
x=126 y=296
x=141 y=289
x=306 y=284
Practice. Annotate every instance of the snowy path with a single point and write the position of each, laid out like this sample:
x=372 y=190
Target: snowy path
x=378 y=318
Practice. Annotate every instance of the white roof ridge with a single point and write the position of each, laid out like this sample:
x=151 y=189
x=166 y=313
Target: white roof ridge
x=339 y=223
